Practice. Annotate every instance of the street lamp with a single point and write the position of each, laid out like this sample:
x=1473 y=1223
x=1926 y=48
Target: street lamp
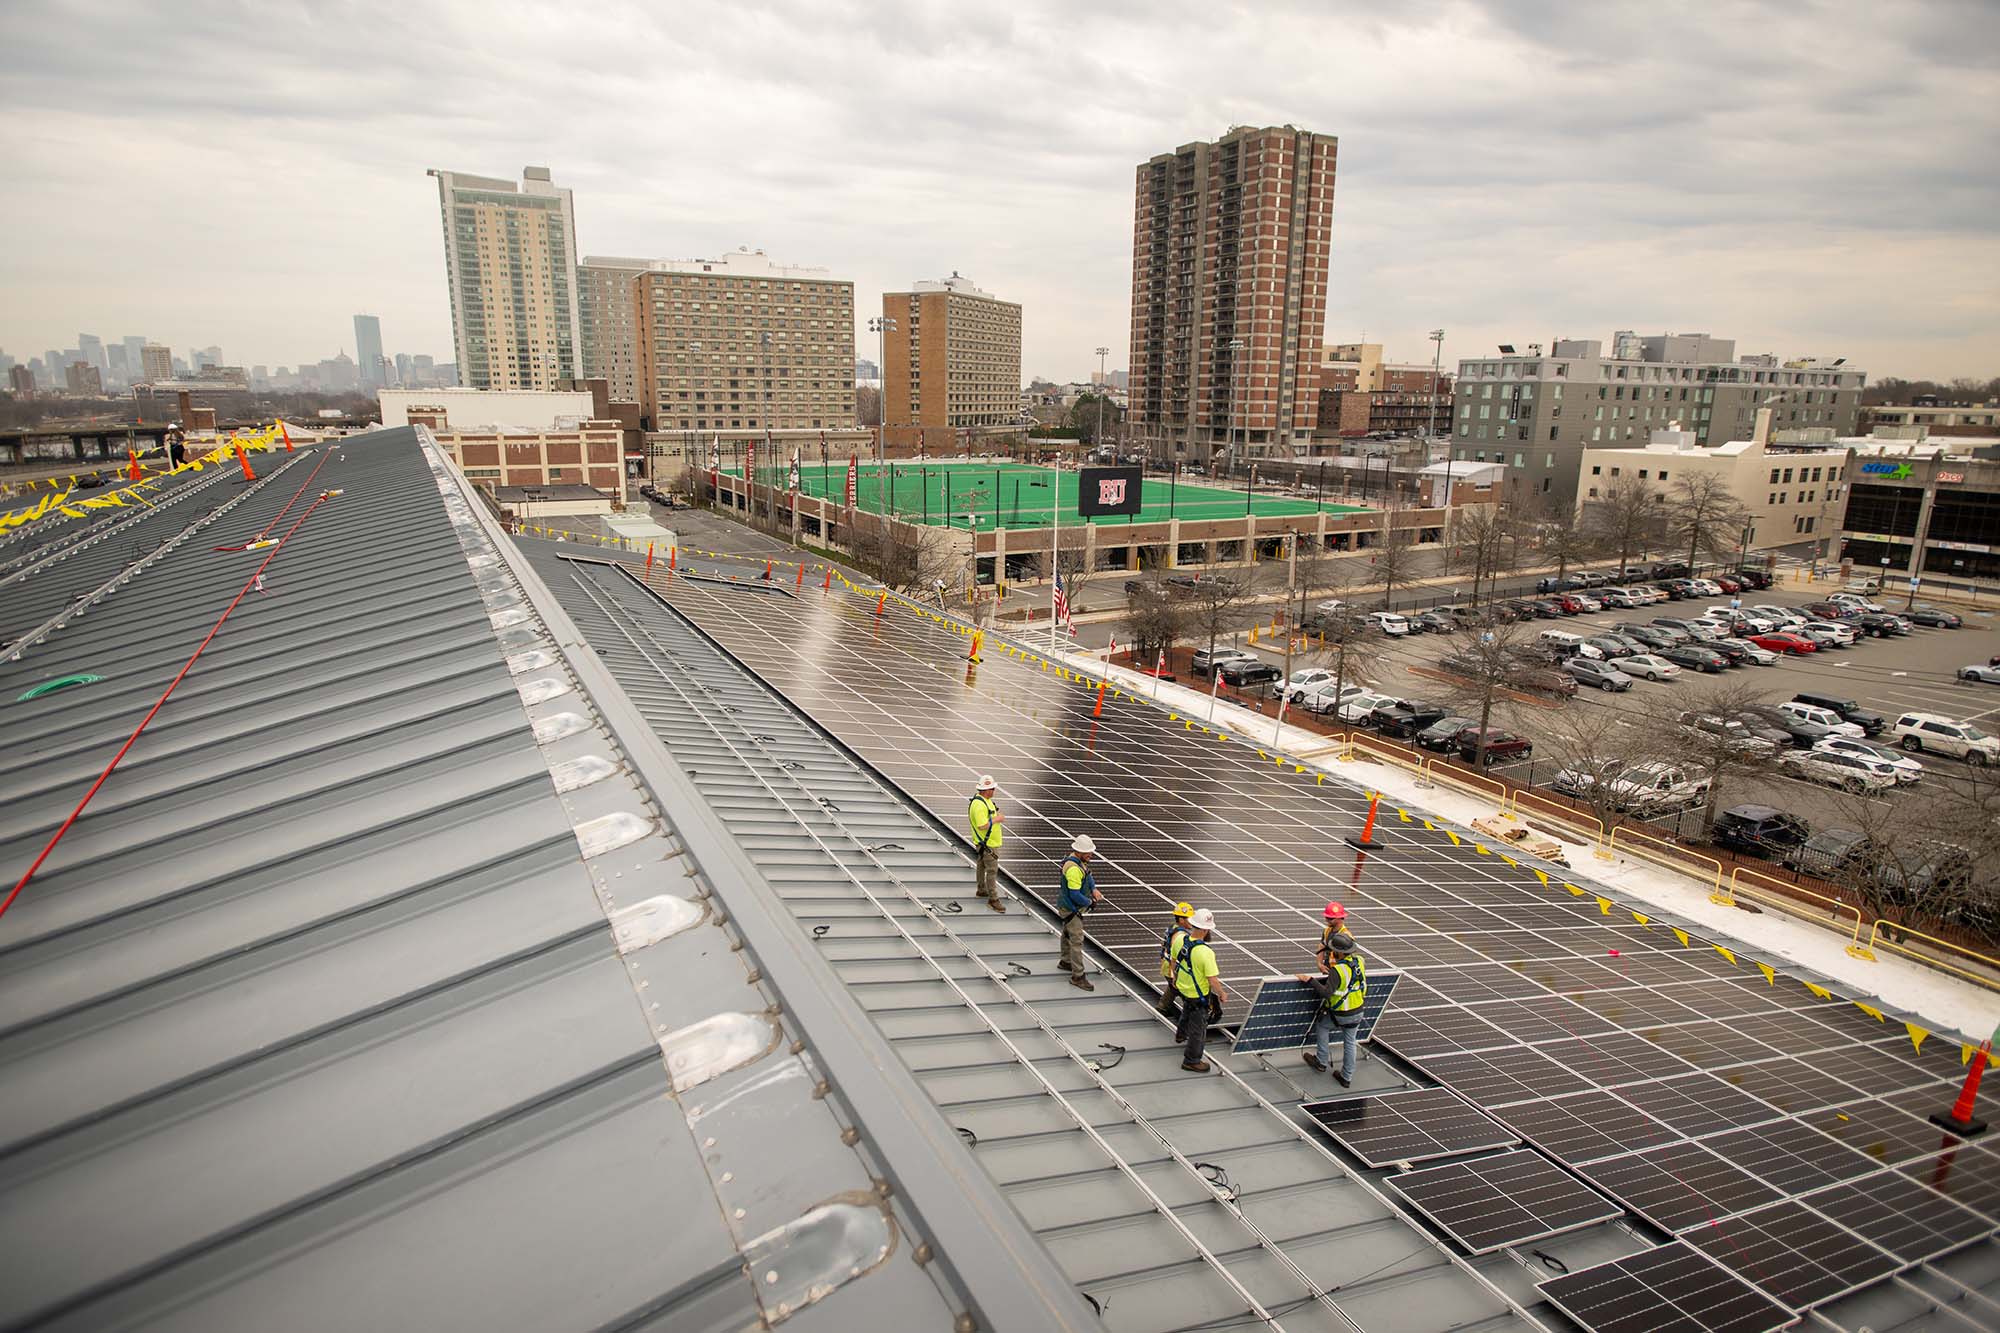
x=882 y=326
x=1055 y=544
x=1236 y=346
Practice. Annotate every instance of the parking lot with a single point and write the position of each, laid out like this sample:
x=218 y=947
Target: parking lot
x=1888 y=676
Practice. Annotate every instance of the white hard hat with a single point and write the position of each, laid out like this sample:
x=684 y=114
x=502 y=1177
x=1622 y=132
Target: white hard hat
x=1203 y=919
x=1083 y=844
x=986 y=782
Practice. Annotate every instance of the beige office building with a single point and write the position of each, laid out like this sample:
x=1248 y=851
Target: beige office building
x=1790 y=493
x=510 y=262
x=608 y=322
x=740 y=344
x=953 y=357
x=156 y=362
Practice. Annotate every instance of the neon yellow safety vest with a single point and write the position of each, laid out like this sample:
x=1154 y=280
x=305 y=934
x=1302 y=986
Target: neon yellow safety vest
x=1187 y=975
x=1171 y=946
x=1352 y=974
x=985 y=832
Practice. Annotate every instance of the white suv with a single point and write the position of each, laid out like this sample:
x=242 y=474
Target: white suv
x=1855 y=772
x=1935 y=732
x=1652 y=789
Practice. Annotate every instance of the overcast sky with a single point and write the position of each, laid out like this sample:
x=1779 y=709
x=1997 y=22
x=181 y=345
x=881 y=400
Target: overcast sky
x=1809 y=179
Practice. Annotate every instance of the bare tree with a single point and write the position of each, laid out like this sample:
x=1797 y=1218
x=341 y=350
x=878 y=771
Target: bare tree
x=1214 y=601
x=1715 y=730
x=1628 y=518
x=1553 y=532
x=1596 y=745
x=867 y=405
x=1487 y=668
x=1479 y=541
x=1394 y=560
x=1342 y=632
x=1156 y=618
x=910 y=558
x=1705 y=514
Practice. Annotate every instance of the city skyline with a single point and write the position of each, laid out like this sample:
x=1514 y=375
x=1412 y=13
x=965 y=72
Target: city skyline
x=1507 y=173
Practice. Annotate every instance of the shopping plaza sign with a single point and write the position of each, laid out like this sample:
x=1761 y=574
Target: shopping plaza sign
x=1893 y=471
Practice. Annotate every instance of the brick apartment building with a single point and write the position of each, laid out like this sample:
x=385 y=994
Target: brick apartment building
x=1230 y=242
x=951 y=363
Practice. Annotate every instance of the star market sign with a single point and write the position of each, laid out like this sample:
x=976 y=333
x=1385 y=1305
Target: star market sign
x=1893 y=471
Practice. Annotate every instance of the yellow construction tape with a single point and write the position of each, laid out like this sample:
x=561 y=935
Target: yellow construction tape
x=1917 y=1036
x=1871 y=1011
x=1770 y=973
x=1682 y=936
x=1725 y=953
x=1820 y=991
x=1604 y=907
x=1642 y=918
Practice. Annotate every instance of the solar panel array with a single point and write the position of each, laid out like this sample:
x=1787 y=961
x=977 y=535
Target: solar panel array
x=1672 y=1289
x=1509 y=1199
x=1421 y=1125
x=1683 y=1082
x=1282 y=1013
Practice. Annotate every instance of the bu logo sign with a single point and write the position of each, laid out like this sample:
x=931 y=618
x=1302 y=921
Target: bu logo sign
x=1111 y=492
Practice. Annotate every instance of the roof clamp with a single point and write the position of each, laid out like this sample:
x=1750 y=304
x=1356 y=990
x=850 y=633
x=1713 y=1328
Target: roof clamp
x=1219 y=1181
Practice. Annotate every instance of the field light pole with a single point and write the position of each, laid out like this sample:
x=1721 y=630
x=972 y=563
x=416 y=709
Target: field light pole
x=1103 y=387
x=1236 y=346
x=882 y=326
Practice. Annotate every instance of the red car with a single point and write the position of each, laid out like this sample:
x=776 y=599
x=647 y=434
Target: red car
x=1780 y=642
x=1827 y=610
x=1570 y=605
x=1729 y=585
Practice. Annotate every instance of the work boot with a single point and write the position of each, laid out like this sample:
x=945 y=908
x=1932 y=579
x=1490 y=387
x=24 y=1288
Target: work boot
x=1198 y=1067
x=982 y=893
x=1063 y=963
x=995 y=903
x=1342 y=1079
x=1081 y=982
x=1315 y=1062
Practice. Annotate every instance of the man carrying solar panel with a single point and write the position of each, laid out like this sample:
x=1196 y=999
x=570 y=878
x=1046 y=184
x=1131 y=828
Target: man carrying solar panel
x=1343 y=989
x=1196 y=978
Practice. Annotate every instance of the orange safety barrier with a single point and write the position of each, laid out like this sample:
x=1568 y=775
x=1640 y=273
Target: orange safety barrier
x=1880 y=937
x=1785 y=897
x=1669 y=855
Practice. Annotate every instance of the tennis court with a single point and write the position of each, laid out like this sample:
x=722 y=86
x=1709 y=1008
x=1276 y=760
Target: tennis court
x=982 y=496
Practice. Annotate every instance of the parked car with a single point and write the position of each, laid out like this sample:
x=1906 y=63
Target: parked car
x=1650 y=665
x=1299 y=683
x=1850 y=772
x=1822 y=716
x=1601 y=675
x=1658 y=788
x=1622 y=597
x=1206 y=660
x=1408 y=718
x=1829 y=610
x=1442 y=735
x=1357 y=708
x=1828 y=853
x=1575 y=604
x=1989 y=674
x=1784 y=642
x=1777 y=615
x=1611 y=646
x=1845 y=709
x=1433 y=622
x=1825 y=633
x=1579 y=777
x=1881 y=626
x=1731 y=652
x=1751 y=652
x=1652 y=636
x=1542 y=680
x=1740 y=737
x=1804 y=734
x=1501 y=746
x=1933 y=732
x=1730 y=587
x=1465 y=616
x=1565 y=643
x=1553 y=583
x=1907 y=769
x=1249 y=672
x=1758 y=830
x=1855 y=600
x=1678 y=590
x=1670 y=569
x=1546 y=609
x=1322 y=698
x=1709 y=588
x=1627 y=644
x=1389 y=622
x=1696 y=658
x=1752 y=578
x=1684 y=628
x=1933 y=618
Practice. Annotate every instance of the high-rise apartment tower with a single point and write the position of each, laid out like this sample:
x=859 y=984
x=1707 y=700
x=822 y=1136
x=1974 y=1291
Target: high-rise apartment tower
x=1230 y=242
x=952 y=356
x=510 y=261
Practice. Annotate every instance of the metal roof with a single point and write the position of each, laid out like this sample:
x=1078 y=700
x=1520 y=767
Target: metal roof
x=385 y=982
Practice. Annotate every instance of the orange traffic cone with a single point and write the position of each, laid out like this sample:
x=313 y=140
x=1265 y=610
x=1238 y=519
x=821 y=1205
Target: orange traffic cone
x=133 y=471
x=286 y=433
x=244 y=459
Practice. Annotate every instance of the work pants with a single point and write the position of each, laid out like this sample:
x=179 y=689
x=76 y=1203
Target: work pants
x=1072 y=943
x=1350 y=1039
x=988 y=872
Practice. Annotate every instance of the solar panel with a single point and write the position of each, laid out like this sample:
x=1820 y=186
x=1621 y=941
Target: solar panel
x=1793 y=1253
x=1495 y=1079
x=1420 y=1125
x=1672 y=1289
x=1678 y=1185
x=1281 y=1014
x=1586 y=1127
x=1699 y=1104
x=1791 y=1156
x=1906 y=1219
x=1494 y=1202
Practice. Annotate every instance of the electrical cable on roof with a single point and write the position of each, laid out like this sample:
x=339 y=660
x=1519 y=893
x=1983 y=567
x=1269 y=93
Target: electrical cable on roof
x=153 y=712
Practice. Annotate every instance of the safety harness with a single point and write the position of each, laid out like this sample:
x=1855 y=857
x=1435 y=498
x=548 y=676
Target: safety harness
x=985 y=834
x=1089 y=883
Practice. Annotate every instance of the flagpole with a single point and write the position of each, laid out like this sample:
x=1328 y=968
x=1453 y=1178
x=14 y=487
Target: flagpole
x=1211 y=693
x=1055 y=549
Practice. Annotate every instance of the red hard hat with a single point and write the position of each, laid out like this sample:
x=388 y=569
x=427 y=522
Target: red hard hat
x=1335 y=912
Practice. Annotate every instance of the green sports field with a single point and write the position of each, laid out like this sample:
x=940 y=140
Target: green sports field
x=1016 y=495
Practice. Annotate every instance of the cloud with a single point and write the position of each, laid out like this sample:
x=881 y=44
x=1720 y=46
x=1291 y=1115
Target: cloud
x=1806 y=179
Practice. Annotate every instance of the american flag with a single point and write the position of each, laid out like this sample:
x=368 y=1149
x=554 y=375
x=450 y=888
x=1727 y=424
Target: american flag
x=1062 y=607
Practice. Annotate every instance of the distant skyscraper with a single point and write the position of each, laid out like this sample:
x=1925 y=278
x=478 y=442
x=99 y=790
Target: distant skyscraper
x=608 y=323
x=134 y=354
x=510 y=263
x=156 y=362
x=368 y=350
x=83 y=378
x=1230 y=242
x=91 y=347
x=205 y=356
x=402 y=368
x=21 y=380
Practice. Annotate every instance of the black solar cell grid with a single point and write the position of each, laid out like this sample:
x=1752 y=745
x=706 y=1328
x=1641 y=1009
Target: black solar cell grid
x=1567 y=973
x=1415 y=1126
x=1632 y=1007
x=1511 y=946
x=1790 y=1155
x=1519 y=1075
x=1786 y=1031
x=1672 y=1289
x=1423 y=1032
x=1905 y=1218
x=1726 y=1000
x=1884 y=1134
x=1708 y=1045
x=1509 y=1199
x=1968 y=1175
x=1676 y=1186
x=1790 y=1085
x=1544 y=1018
x=1792 y=1253
x=1615 y=1058
x=1871 y=1070
x=1483 y=981
x=1585 y=1127
x=1698 y=1104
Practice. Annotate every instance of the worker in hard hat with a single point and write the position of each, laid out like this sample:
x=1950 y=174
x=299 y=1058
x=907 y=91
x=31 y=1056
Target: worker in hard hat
x=986 y=820
x=1197 y=979
x=1170 y=945
x=1342 y=990
x=1335 y=919
x=1079 y=895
